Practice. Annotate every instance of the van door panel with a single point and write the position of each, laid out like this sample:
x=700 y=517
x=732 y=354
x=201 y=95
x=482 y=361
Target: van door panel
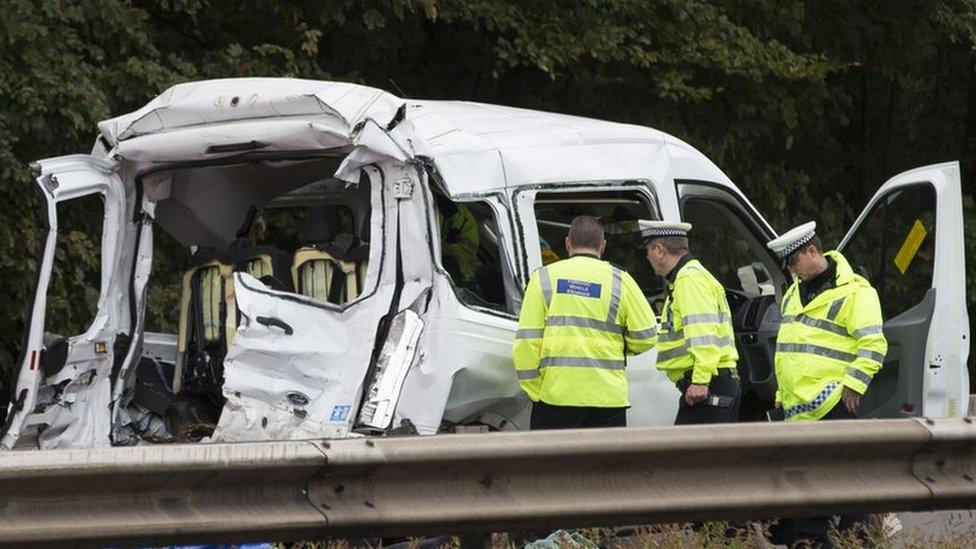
x=912 y=252
x=73 y=408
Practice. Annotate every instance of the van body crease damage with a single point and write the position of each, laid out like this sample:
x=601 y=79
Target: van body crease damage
x=355 y=265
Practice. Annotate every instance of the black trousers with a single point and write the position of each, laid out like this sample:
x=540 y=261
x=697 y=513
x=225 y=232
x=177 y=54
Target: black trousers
x=549 y=416
x=813 y=530
x=726 y=384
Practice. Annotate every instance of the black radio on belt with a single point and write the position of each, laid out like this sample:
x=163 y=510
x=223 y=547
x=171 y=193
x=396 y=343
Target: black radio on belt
x=720 y=401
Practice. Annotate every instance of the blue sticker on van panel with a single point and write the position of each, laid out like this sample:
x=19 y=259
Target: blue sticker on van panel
x=340 y=413
x=577 y=287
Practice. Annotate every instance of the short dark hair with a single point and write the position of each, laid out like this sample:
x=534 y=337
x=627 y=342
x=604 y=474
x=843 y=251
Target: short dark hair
x=673 y=244
x=813 y=243
x=586 y=232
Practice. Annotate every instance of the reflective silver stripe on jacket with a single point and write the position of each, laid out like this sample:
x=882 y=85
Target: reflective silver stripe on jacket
x=867 y=330
x=825 y=325
x=705 y=317
x=814 y=350
x=614 y=296
x=584 y=322
x=813 y=404
x=859 y=375
x=873 y=355
x=708 y=340
x=529 y=333
x=527 y=374
x=786 y=302
x=642 y=334
x=582 y=362
x=670 y=336
x=692 y=342
x=546 y=286
x=835 y=308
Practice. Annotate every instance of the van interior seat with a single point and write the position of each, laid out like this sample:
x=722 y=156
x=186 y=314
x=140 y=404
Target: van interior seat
x=331 y=264
x=208 y=320
x=268 y=264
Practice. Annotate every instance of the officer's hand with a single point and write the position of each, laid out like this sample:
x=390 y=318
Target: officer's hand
x=851 y=400
x=696 y=394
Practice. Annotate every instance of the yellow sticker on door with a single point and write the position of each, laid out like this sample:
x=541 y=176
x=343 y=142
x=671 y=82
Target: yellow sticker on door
x=910 y=246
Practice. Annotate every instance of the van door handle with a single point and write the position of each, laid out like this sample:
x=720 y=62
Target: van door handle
x=272 y=321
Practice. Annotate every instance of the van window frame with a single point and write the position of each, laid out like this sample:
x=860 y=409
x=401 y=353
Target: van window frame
x=738 y=206
x=502 y=213
x=645 y=186
x=258 y=157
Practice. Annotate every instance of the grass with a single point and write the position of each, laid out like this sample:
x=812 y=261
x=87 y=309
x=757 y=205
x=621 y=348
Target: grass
x=710 y=535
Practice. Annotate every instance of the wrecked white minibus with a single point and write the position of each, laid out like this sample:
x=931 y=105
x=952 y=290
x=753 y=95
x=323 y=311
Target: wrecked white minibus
x=358 y=261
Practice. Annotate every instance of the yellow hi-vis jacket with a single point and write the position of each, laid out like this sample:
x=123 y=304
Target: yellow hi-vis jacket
x=834 y=341
x=696 y=329
x=579 y=318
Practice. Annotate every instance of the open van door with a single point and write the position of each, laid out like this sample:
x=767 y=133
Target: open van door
x=908 y=242
x=63 y=385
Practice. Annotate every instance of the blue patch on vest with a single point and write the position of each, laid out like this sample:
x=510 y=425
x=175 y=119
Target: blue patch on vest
x=578 y=287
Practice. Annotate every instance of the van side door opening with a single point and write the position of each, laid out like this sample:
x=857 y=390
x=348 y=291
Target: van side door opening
x=284 y=223
x=729 y=238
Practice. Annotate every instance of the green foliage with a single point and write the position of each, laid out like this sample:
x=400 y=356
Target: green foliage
x=809 y=105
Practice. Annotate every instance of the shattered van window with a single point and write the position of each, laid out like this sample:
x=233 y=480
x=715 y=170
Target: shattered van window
x=72 y=296
x=618 y=212
x=471 y=252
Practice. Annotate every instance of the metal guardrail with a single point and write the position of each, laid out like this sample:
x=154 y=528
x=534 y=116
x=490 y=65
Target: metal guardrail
x=482 y=482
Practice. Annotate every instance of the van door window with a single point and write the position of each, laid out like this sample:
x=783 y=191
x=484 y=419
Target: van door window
x=472 y=252
x=724 y=245
x=894 y=247
x=72 y=294
x=617 y=210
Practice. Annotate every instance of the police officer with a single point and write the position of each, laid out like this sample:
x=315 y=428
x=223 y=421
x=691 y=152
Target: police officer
x=830 y=346
x=696 y=348
x=580 y=317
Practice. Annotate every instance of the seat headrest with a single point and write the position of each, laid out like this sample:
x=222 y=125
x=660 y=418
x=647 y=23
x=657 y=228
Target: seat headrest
x=322 y=224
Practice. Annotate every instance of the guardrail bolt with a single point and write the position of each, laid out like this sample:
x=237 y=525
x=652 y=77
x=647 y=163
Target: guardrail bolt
x=940 y=464
x=967 y=476
x=370 y=443
x=929 y=421
x=930 y=479
x=340 y=489
x=369 y=504
x=968 y=419
x=326 y=445
x=486 y=481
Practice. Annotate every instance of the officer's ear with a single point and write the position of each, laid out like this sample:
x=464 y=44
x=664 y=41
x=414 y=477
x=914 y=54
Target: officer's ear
x=603 y=246
x=569 y=246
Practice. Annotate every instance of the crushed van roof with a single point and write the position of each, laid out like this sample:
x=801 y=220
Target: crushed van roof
x=477 y=147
